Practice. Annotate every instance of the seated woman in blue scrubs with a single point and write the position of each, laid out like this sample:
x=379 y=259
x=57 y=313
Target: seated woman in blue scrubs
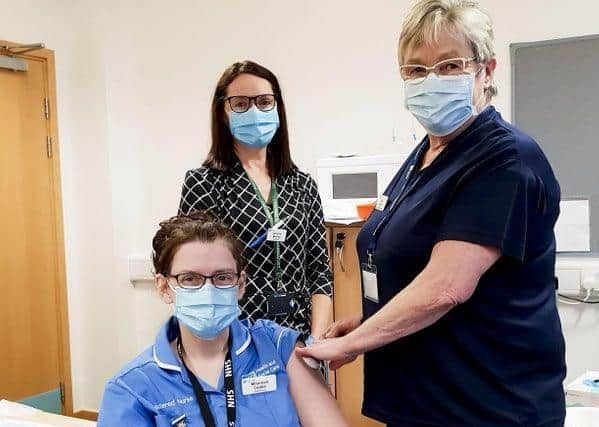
x=206 y=367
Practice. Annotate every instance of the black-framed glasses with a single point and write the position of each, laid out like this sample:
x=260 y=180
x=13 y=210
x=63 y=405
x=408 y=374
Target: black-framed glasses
x=240 y=104
x=193 y=280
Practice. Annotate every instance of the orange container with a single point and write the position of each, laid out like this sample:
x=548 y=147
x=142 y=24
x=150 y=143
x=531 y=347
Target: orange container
x=364 y=209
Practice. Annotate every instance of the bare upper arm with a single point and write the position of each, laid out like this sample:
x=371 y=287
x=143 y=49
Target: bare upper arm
x=315 y=404
x=459 y=266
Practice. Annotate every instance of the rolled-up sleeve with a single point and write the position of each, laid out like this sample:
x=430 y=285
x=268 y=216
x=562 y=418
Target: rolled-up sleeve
x=318 y=271
x=492 y=209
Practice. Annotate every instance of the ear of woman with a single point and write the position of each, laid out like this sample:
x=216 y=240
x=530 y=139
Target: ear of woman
x=161 y=285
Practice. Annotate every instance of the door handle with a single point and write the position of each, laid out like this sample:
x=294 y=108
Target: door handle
x=339 y=245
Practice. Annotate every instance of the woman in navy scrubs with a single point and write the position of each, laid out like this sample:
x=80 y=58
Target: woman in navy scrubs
x=460 y=323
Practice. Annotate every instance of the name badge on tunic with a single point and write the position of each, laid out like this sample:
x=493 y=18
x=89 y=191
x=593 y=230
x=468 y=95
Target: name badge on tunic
x=276 y=235
x=255 y=385
x=381 y=202
x=370 y=287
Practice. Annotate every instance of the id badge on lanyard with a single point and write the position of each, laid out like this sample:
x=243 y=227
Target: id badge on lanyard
x=381 y=202
x=370 y=286
x=274 y=234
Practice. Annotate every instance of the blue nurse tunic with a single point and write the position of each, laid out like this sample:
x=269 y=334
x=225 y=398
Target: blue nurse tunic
x=154 y=389
x=498 y=359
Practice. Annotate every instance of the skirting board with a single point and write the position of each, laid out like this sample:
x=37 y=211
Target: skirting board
x=86 y=415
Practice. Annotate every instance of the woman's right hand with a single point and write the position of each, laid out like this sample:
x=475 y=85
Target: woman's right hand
x=342 y=327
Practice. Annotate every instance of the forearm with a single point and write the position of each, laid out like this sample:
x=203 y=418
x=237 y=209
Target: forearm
x=449 y=279
x=322 y=314
x=318 y=272
x=418 y=306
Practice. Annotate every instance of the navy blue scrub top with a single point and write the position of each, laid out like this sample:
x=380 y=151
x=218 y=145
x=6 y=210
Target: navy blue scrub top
x=499 y=358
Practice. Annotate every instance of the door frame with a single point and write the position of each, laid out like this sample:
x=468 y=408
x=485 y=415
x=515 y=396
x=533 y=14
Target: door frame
x=64 y=357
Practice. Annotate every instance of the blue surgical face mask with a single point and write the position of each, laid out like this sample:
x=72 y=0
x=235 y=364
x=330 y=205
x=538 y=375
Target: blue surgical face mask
x=254 y=128
x=441 y=103
x=207 y=311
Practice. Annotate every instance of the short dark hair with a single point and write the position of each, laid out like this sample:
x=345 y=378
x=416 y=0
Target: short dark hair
x=222 y=154
x=200 y=226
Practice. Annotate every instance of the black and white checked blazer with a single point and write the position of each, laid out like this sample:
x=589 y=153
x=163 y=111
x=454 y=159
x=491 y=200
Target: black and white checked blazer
x=304 y=255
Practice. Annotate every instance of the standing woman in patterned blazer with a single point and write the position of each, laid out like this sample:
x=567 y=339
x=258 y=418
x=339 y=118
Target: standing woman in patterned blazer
x=250 y=182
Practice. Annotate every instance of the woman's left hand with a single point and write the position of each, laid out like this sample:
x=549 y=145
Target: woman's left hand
x=332 y=349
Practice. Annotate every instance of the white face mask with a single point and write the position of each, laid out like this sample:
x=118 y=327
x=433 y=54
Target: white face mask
x=441 y=103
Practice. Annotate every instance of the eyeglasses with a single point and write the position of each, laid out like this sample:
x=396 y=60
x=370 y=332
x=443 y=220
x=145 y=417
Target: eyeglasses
x=447 y=67
x=240 y=104
x=191 y=280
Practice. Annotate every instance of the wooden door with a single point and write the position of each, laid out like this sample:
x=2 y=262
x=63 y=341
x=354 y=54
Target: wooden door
x=34 y=360
x=348 y=302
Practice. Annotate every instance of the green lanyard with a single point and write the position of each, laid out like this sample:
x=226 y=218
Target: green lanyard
x=273 y=218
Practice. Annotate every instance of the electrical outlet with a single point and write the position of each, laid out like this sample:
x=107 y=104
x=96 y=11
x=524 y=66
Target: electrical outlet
x=593 y=294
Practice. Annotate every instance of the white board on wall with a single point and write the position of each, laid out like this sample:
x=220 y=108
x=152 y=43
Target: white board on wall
x=572 y=229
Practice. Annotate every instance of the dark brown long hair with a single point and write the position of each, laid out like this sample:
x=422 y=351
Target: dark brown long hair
x=222 y=152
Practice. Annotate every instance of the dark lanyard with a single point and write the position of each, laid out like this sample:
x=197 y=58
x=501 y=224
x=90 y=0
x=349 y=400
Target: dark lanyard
x=403 y=192
x=273 y=218
x=201 y=394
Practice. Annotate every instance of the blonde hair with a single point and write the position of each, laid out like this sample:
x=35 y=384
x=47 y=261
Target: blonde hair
x=464 y=18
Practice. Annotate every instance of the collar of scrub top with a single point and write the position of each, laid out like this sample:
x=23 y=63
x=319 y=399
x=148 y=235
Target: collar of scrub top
x=408 y=186
x=167 y=359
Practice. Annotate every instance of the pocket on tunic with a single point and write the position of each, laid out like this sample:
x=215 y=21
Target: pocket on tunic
x=171 y=420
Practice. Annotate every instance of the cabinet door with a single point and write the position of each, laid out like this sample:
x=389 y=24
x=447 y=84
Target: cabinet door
x=348 y=302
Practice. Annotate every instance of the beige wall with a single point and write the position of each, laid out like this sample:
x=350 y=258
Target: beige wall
x=135 y=80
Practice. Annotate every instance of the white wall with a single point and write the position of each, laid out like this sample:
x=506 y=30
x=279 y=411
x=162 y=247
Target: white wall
x=135 y=81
